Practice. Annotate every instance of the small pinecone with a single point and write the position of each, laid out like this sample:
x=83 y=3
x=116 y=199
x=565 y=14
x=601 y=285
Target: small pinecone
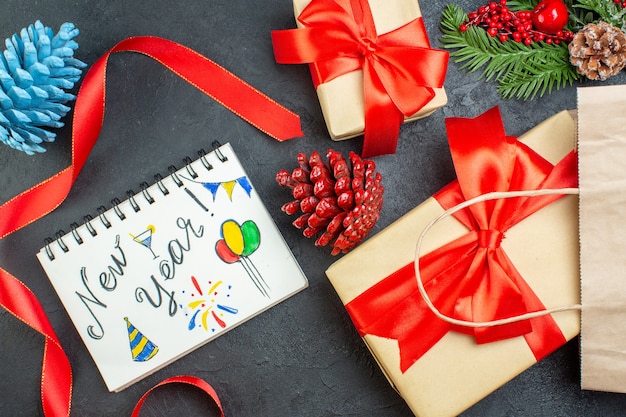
x=598 y=51
x=36 y=69
x=339 y=201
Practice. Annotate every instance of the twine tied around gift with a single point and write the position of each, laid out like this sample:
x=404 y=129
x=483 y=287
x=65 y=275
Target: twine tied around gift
x=479 y=199
x=471 y=277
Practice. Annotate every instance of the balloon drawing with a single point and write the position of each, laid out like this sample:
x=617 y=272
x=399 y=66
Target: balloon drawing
x=237 y=244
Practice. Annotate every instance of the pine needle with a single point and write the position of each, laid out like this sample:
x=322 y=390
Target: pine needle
x=606 y=11
x=521 y=71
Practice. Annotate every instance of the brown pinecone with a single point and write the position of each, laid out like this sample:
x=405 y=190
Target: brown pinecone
x=598 y=51
x=339 y=201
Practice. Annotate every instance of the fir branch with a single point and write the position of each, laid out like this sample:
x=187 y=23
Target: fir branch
x=527 y=81
x=522 y=4
x=521 y=71
x=604 y=10
x=578 y=17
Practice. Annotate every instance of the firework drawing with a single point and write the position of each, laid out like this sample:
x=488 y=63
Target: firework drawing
x=205 y=307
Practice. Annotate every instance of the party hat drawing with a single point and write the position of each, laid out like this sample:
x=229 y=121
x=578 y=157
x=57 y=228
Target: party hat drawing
x=141 y=347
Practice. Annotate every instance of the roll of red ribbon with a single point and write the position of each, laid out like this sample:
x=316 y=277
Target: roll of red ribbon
x=39 y=200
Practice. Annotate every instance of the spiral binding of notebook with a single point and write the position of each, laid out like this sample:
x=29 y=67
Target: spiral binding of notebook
x=171 y=267
x=131 y=198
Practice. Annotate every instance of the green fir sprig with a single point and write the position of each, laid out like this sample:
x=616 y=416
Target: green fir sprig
x=601 y=10
x=521 y=71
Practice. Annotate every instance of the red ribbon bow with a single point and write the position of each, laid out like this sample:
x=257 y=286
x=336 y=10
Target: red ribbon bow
x=471 y=278
x=400 y=69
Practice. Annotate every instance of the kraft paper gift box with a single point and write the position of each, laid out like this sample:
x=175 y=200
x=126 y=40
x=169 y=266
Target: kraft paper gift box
x=377 y=282
x=343 y=97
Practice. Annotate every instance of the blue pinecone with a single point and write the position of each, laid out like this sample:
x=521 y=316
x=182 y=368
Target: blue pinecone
x=36 y=69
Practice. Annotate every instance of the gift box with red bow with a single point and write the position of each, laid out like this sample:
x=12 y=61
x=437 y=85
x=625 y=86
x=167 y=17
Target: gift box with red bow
x=371 y=63
x=490 y=261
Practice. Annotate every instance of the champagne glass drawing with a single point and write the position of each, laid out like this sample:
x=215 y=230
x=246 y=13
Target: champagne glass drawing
x=237 y=244
x=145 y=239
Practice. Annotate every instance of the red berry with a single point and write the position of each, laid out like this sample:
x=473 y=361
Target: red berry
x=550 y=16
x=492 y=31
x=463 y=28
x=503 y=38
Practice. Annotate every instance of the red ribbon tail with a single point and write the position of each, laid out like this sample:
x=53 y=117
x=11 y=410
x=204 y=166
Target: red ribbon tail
x=36 y=202
x=56 y=374
x=394 y=307
x=56 y=381
x=183 y=379
x=215 y=81
x=546 y=336
x=382 y=118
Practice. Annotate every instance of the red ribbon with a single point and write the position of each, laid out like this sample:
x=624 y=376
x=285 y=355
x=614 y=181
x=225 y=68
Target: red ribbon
x=36 y=202
x=183 y=379
x=471 y=278
x=400 y=69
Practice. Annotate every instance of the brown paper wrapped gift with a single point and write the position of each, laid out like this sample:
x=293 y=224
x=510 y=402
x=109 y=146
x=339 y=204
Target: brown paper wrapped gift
x=456 y=372
x=340 y=83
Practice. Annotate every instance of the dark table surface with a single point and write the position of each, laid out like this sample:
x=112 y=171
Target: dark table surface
x=302 y=357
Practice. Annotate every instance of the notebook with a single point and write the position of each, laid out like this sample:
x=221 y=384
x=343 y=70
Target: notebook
x=171 y=267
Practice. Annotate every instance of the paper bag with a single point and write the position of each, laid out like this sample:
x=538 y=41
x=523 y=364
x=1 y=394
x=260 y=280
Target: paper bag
x=602 y=170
